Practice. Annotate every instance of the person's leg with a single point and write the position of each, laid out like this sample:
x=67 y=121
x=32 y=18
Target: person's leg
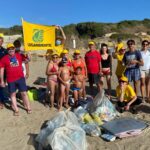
x=84 y=90
x=52 y=86
x=21 y=84
x=147 y=83
x=1 y=97
x=25 y=99
x=75 y=95
x=62 y=93
x=142 y=87
x=136 y=86
x=67 y=94
x=90 y=77
x=108 y=78
x=14 y=102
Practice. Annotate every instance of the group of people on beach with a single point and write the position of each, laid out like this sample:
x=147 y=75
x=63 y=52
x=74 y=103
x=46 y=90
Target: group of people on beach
x=64 y=73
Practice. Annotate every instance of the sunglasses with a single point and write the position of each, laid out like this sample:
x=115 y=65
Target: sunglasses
x=55 y=57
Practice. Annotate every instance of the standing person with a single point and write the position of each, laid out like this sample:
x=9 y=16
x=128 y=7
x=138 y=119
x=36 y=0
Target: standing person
x=12 y=62
x=64 y=76
x=106 y=61
x=93 y=63
x=119 y=45
x=80 y=62
x=120 y=67
x=52 y=77
x=133 y=60
x=65 y=53
x=145 y=70
x=3 y=52
x=126 y=96
x=25 y=64
x=78 y=79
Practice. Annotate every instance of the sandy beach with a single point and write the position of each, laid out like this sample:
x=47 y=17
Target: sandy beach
x=18 y=133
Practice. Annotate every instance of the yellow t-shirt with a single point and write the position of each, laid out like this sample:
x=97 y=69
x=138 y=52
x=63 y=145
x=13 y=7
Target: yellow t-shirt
x=119 y=46
x=120 y=68
x=128 y=93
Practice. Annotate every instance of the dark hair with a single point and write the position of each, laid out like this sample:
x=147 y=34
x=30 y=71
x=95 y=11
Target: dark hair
x=79 y=68
x=104 y=45
x=17 y=43
x=145 y=41
x=130 y=41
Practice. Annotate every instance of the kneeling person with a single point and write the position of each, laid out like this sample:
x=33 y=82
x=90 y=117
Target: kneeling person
x=126 y=95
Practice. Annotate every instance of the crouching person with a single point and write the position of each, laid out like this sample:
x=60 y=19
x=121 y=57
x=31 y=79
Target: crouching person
x=12 y=63
x=127 y=99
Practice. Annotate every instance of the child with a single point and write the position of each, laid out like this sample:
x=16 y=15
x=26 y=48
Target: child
x=78 y=80
x=64 y=75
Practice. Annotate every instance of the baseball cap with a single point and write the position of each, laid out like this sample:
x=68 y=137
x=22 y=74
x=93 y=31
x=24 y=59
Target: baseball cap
x=123 y=78
x=91 y=43
x=65 y=51
x=10 y=45
x=77 y=51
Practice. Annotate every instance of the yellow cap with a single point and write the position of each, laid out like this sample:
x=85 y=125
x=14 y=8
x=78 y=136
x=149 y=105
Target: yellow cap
x=77 y=51
x=65 y=51
x=10 y=45
x=55 y=53
x=123 y=78
x=91 y=43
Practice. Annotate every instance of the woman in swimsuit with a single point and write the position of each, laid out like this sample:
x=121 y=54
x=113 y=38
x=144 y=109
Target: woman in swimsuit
x=106 y=66
x=52 y=76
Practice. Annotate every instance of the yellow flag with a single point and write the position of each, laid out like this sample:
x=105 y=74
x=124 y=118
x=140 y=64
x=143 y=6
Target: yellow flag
x=38 y=37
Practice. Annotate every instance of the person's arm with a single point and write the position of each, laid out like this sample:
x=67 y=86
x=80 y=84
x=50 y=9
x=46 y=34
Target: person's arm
x=27 y=70
x=2 y=83
x=62 y=32
x=59 y=76
x=110 y=57
x=132 y=101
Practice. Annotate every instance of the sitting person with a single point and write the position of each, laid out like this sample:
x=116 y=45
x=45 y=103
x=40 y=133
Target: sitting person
x=126 y=95
x=78 y=79
x=64 y=75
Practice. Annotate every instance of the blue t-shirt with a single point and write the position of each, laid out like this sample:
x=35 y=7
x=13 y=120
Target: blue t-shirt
x=129 y=56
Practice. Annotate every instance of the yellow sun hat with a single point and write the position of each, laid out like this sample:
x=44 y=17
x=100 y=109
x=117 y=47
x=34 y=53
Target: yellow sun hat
x=65 y=51
x=123 y=78
x=77 y=51
x=10 y=45
x=55 y=53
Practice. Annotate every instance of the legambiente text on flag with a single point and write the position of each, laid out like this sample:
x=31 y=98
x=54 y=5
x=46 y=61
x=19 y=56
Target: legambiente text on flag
x=38 y=37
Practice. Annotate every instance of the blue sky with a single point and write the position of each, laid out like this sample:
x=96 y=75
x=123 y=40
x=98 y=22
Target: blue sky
x=64 y=12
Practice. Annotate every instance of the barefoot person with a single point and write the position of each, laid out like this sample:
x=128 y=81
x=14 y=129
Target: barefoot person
x=80 y=62
x=64 y=76
x=93 y=63
x=133 y=60
x=145 y=71
x=78 y=79
x=15 y=78
x=52 y=77
x=126 y=96
x=106 y=62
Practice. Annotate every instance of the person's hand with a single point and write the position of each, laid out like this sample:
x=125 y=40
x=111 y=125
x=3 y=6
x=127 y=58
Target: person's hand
x=100 y=73
x=57 y=27
x=2 y=84
x=27 y=75
x=127 y=107
x=132 y=62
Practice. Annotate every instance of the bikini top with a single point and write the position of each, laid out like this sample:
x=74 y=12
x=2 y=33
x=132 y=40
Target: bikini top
x=53 y=69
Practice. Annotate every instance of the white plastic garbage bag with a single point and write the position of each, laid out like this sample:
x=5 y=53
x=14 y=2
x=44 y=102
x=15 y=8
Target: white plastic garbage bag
x=63 y=129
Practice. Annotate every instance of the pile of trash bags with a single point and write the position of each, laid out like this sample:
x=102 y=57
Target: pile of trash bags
x=63 y=132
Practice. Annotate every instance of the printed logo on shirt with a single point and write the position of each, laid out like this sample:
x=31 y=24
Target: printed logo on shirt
x=14 y=62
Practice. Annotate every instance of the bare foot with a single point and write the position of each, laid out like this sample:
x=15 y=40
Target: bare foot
x=1 y=106
x=66 y=106
x=60 y=109
x=29 y=111
x=16 y=113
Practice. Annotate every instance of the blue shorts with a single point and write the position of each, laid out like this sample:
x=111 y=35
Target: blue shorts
x=75 y=89
x=133 y=74
x=19 y=84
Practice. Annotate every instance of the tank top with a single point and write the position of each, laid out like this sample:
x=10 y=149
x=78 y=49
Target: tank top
x=79 y=64
x=106 y=62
